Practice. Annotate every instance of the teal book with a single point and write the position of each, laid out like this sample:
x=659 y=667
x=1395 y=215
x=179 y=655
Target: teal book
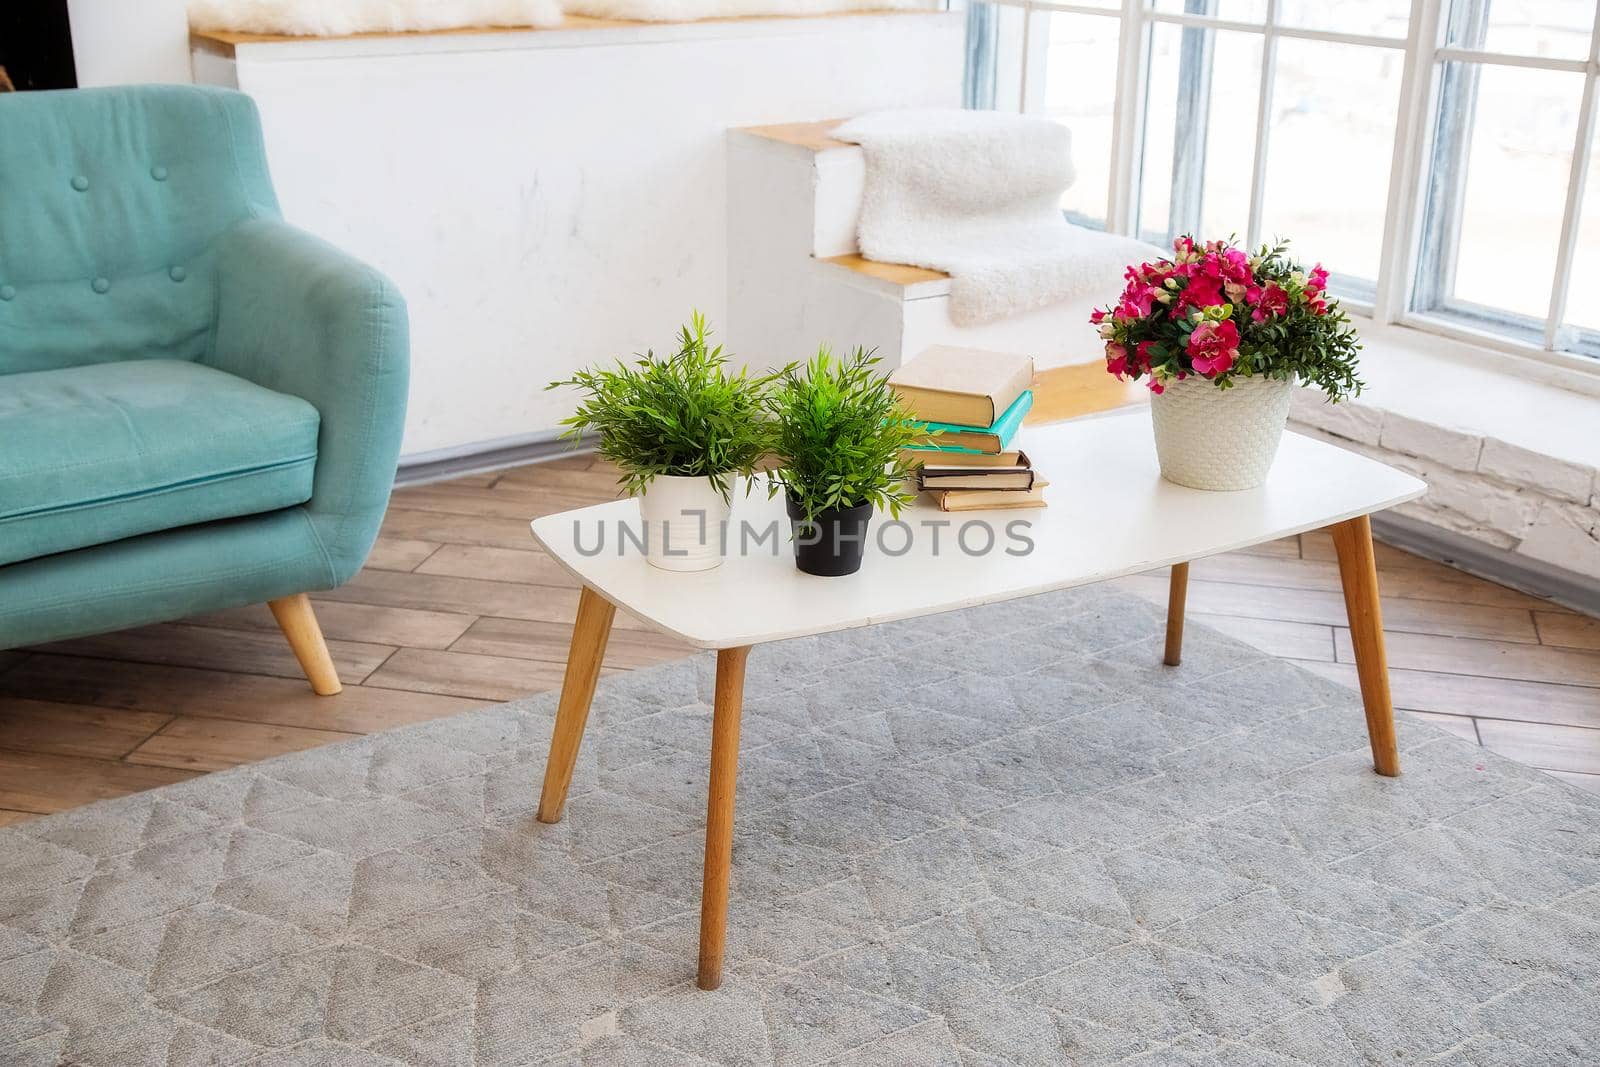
x=985 y=439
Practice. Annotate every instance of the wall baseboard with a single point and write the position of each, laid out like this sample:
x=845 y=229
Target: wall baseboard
x=1531 y=576
x=443 y=463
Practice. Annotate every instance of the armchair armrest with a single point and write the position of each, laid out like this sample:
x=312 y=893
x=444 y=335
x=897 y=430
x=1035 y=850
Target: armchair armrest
x=297 y=315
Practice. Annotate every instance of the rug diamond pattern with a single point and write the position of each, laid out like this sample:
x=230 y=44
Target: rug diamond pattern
x=1002 y=836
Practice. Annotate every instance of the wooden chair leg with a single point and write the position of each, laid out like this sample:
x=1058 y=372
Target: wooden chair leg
x=298 y=621
x=1358 y=573
x=719 y=813
x=1177 y=595
x=590 y=633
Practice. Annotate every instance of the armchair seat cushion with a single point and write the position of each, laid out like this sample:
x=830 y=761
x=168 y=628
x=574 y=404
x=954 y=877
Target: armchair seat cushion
x=94 y=454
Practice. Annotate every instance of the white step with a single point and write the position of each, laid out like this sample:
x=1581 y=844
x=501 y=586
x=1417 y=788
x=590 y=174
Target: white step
x=796 y=277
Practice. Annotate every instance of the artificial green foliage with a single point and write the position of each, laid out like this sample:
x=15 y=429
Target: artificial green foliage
x=838 y=430
x=1316 y=344
x=682 y=415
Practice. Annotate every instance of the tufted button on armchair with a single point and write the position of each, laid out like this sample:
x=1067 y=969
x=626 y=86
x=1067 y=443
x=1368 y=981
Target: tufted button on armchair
x=200 y=406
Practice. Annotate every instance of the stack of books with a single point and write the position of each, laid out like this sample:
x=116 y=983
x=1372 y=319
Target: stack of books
x=972 y=404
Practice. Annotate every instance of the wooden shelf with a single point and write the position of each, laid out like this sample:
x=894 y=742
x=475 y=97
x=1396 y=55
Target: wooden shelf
x=898 y=273
x=1061 y=393
x=814 y=136
x=224 y=41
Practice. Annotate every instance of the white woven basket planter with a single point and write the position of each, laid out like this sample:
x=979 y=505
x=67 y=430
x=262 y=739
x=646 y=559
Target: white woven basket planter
x=684 y=520
x=1210 y=438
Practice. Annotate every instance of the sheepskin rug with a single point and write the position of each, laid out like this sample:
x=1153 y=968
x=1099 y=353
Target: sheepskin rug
x=337 y=18
x=977 y=194
x=690 y=10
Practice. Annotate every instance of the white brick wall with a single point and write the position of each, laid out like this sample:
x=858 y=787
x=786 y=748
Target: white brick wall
x=1566 y=535
x=1438 y=444
x=1554 y=477
x=1508 y=497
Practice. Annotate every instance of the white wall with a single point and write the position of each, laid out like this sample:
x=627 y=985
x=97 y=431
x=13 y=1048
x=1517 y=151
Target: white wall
x=549 y=199
x=118 y=42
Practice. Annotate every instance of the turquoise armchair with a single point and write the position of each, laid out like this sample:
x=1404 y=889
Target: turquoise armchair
x=200 y=406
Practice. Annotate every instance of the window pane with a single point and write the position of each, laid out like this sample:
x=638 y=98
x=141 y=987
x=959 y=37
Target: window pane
x=1583 y=291
x=1557 y=28
x=1379 y=18
x=1232 y=10
x=1200 y=129
x=1499 y=187
x=1332 y=137
x=1081 y=92
x=1007 y=29
x=1160 y=120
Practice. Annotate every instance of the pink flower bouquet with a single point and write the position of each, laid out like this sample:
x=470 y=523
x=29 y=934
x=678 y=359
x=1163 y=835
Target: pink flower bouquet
x=1215 y=312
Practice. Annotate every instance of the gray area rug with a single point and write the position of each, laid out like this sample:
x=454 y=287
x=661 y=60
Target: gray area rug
x=1000 y=836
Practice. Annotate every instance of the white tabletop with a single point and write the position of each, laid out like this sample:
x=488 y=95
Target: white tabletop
x=1110 y=514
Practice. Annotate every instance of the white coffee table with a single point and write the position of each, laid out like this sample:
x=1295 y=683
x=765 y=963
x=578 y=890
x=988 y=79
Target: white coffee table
x=1110 y=514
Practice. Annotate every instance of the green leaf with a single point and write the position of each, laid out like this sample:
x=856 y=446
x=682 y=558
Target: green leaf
x=682 y=414
x=838 y=431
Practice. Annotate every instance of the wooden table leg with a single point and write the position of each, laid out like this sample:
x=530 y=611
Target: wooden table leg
x=719 y=813
x=1177 y=595
x=1358 y=572
x=589 y=636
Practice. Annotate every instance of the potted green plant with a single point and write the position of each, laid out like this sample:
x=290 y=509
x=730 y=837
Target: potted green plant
x=682 y=430
x=838 y=430
x=1222 y=336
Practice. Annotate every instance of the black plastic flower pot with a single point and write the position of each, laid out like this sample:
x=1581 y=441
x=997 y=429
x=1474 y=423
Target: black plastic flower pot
x=833 y=544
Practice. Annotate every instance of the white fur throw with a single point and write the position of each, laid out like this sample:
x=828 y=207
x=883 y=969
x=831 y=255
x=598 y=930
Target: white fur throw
x=977 y=194
x=690 y=10
x=337 y=18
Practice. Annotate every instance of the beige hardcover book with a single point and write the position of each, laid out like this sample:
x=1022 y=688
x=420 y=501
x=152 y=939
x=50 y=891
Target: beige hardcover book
x=991 y=499
x=931 y=457
x=964 y=386
x=988 y=478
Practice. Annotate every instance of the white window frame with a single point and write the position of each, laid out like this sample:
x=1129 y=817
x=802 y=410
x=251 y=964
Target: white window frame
x=1425 y=53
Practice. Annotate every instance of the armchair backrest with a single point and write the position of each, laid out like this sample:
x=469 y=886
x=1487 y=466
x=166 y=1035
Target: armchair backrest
x=110 y=201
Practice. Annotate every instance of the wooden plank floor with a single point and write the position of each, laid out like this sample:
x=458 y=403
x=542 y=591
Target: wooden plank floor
x=457 y=608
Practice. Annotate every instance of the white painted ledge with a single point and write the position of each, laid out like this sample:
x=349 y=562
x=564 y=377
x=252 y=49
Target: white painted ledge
x=1510 y=454
x=590 y=223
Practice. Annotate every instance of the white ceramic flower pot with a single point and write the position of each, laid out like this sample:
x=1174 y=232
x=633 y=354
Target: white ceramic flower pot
x=1210 y=438
x=684 y=520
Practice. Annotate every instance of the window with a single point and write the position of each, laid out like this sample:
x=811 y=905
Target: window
x=1199 y=144
x=1503 y=239
x=1434 y=154
x=1083 y=94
